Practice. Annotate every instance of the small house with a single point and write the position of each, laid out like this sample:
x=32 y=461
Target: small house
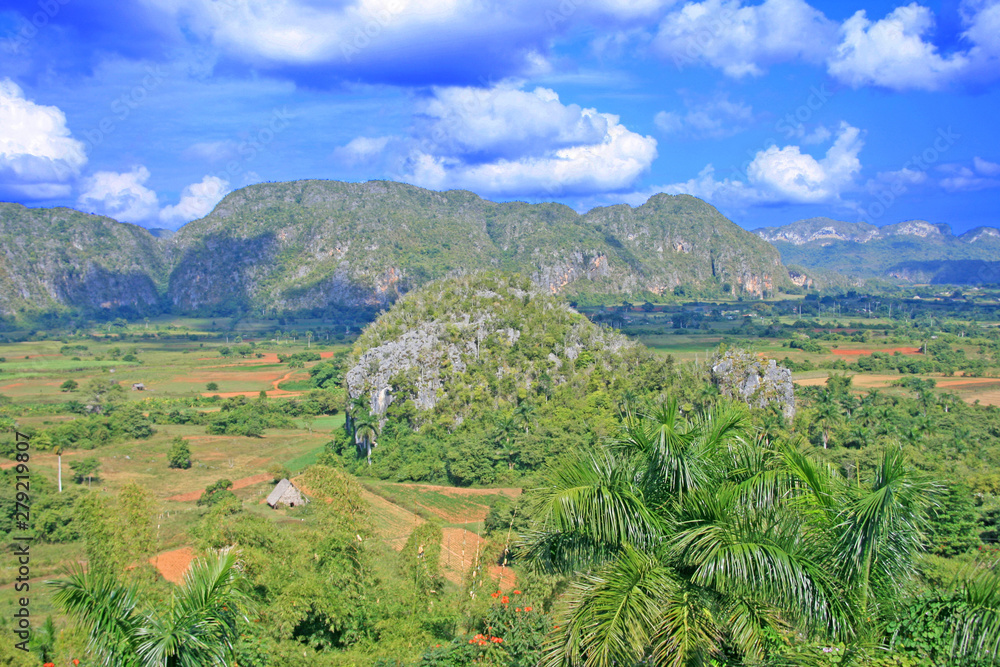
x=138 y=386
x=286 y=494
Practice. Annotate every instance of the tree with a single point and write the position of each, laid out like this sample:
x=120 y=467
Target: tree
x=216 y=493
x=69 y=385
x=199 y=627
x=212 y=386
x=365 y=432
x=85 y=469
x=59 y=452
x=691 y=537
x=179 y=455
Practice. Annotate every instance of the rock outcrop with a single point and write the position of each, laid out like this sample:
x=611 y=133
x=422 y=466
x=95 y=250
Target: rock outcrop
x=743 y=376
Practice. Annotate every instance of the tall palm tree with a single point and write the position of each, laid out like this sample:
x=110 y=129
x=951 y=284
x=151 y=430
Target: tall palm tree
x=691 y=537
x=198 y=628
x=365 y=432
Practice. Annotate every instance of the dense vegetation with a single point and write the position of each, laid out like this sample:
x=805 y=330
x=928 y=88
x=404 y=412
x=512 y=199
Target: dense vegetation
x=349 y=249
x=659 y=523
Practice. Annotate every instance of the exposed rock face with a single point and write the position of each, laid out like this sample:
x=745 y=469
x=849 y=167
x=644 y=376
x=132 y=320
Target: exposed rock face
x=911 y=251
x=323 y=246
x=511 y=334
x=743 y=376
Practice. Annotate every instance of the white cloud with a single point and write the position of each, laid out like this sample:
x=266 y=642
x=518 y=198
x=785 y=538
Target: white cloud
x=896 y=53
x=361 y=150
x=892 y=52
x=39 y=158
x=986 y=168
x=983 y=175
x=783 y=175
x=506 y=141
x=197 y=201
x=745 y=40
x=386 y=37
x=122 y=196
x=714 y=118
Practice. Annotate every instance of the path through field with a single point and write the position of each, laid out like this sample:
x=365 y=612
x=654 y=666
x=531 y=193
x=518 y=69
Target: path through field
x=238 y=484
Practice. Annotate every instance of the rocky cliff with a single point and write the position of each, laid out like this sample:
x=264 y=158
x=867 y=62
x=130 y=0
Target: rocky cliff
x=326 y=246
x=910 y=251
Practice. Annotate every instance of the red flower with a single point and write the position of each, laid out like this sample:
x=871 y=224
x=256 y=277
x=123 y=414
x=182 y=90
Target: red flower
x=517 y=592
x=505 y=599
x=49 y=664
x=75 y=661
x=527 y=608
x=518 y=609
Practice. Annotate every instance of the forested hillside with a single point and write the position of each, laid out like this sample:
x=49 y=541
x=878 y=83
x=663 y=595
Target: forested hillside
x=325 y=247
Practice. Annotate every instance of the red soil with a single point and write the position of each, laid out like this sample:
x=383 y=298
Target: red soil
x=238 y=484
x=887 y=350
x=173 y=564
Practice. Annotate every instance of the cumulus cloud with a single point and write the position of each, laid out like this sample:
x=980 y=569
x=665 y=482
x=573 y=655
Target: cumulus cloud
x=982 y=175
x=783 y=176
x=893 y=53
x=39 y=158
x=507 y=141
x=122 y=196
x=197 y=201
x=715 y=118
x=896 y=53
x=744 y=40
x=125 y=197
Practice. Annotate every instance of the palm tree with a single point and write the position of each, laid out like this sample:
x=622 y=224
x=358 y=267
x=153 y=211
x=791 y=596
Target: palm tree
x=59 y=452
x=365 y=432
x=692 y=538
x=199 y=627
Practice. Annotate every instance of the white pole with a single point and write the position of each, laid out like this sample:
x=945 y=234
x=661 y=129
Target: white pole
x=60 y=473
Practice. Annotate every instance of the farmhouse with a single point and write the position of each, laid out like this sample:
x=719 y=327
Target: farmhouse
x=286 y=494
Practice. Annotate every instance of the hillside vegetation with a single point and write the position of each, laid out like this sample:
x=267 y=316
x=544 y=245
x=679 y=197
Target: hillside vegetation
x=483 y=378
x=352 y=248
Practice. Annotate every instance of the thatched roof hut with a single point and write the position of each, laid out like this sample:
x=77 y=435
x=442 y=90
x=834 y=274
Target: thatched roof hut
x=286 y=494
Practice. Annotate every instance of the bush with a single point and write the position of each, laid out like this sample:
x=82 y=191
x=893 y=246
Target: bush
x=179 y=455
x=212 y=386
x=69 y=385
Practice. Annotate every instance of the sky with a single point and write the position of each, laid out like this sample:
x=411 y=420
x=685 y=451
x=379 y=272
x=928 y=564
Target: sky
x=151 y=111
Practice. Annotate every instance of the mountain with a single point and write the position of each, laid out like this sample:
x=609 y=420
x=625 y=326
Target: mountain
x=313 y=246
x=911 y=251
x=51 y=259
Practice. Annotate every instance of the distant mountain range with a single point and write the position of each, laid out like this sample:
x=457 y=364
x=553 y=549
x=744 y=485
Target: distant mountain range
x=914 y=251
x=311 y=247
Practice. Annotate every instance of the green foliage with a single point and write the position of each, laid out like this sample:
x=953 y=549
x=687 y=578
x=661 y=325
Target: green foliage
x=212 y=386
x=216 y=493
x=179 y=455
x=69 y=385
x=200 y=625
x=85 y=469
x=119 y=531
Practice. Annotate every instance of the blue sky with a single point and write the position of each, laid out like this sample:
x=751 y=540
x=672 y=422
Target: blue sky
x=772 y=111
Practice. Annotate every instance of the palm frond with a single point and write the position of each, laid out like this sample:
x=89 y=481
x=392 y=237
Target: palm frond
x=107 y=610
x=611 y=615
